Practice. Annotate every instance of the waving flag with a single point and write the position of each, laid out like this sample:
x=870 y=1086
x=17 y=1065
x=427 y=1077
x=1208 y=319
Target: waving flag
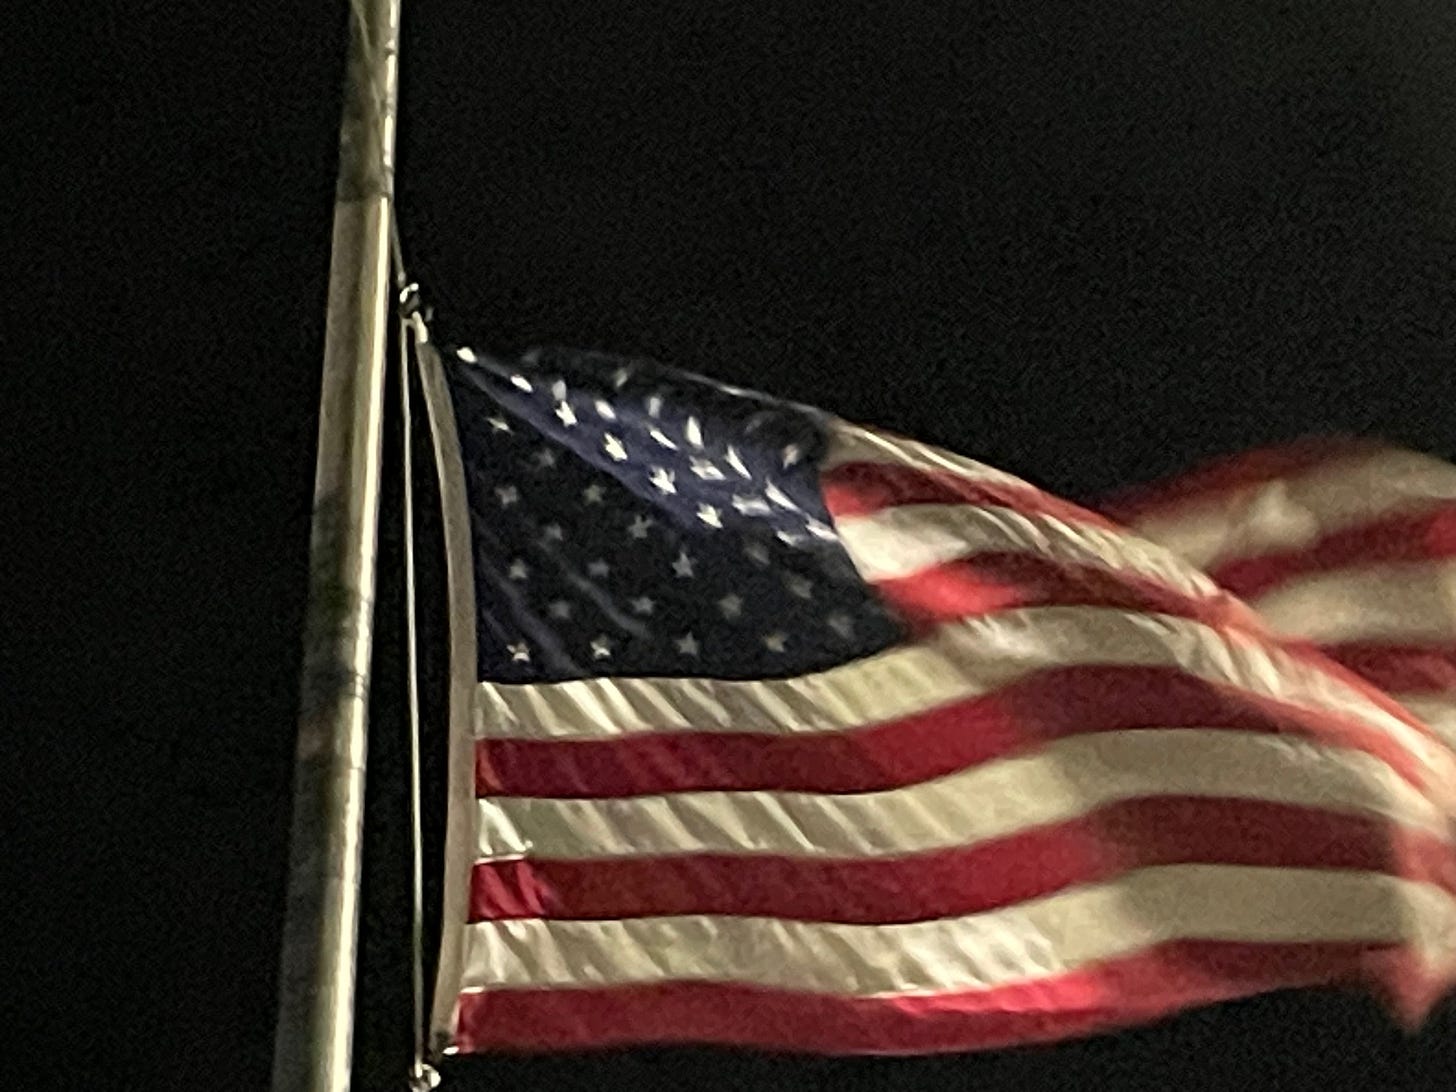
x=1341 y=542
x=771 y=729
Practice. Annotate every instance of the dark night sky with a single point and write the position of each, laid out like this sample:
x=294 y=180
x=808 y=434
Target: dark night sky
x=1088 y=243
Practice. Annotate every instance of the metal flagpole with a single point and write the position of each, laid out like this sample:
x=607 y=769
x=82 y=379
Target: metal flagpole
x=316 y=988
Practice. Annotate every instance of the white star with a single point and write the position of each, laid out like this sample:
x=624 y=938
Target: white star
x=705 y=469
x=566 y=413
x=638 y=527
x=757 y=551
x=500 y=424
x=792 y=454
x=508 y=495
x=661 y=437
x=546 y=457
x=654 y=405
x=841 y=623
x=789 y=538
x=520 y=652
x=737 y=464
x=601 y=647
x=731 y=605
x=558 y=390
x=605 y=410
x=683 y=565
x=598 y=568
x=819 y=529
x=520 y=382
x=751 y=506
x=800 y=586
x=467 y=355
x=710 y=515
x=775 y=642
x=664 y=479
x=593 y=494
x=643 y=604
x=687 y=644
x=777 y=495
x=518 y=570
x=552 y=532
x=560 y=609
x=620 y=377
x=694 y=432
x=614 y=448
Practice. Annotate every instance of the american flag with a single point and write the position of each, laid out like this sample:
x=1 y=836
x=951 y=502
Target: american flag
x=770 y=729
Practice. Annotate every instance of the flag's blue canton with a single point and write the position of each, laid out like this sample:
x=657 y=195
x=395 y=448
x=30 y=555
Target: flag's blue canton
x=631 y=519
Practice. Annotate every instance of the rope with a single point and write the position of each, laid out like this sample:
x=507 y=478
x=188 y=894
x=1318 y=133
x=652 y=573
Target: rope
x=411 y=322
x=423 y=1077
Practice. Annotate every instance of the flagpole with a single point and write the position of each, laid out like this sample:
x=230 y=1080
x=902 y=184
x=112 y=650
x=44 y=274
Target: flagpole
x=314 y=1036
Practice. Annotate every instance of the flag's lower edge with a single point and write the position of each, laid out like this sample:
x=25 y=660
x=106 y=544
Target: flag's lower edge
x=1140 y=989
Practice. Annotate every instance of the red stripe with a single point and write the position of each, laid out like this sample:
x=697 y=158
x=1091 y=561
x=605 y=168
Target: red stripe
x=1426 y=536
x=1024 y=714
x=863 y=488
x=991 y=582
x=1399 y=669
x=1107 y=843
x=1318 y=657
x=1109 y=995
x=1232 y=474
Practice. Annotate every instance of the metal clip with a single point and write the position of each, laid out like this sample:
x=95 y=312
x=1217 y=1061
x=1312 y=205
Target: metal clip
x=414 y=312
x=411 y=303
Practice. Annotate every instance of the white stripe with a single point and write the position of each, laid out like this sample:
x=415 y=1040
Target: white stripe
x=901 y=541
x=1410 y=602
x=956 y=663
x=1295 y=512
x=1436 y=711
x=1063 y=781
x=850 y=443
x=1031 y=940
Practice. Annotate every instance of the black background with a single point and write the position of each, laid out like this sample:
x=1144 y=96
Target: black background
x=1086 y=243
